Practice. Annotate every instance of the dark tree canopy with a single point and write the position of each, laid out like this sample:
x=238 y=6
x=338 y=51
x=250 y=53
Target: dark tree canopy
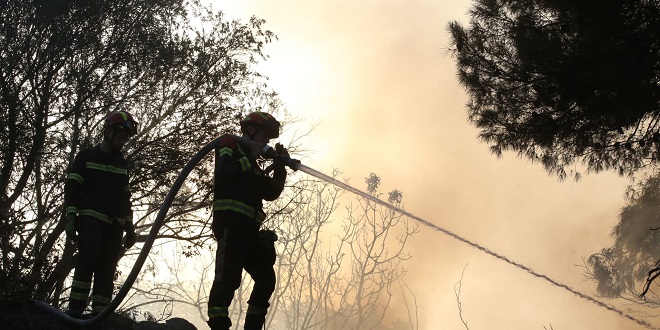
x=66 y=64
x=564 y=82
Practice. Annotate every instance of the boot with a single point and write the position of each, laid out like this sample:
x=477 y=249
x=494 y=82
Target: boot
x=76 y=308
x=254 y=321
x=219 y=323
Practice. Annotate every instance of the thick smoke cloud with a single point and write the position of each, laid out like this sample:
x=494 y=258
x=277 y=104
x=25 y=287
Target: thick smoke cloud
x=379 y=78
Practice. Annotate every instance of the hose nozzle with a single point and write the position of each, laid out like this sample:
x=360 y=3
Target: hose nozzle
x=270 y=153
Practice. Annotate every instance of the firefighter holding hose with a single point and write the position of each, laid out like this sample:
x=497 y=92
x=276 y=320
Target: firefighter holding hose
x=240 y=187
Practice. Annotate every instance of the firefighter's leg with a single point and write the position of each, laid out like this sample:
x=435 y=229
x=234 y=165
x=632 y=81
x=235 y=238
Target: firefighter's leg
x=255 y=318
x=228 y=270
x=89 y=248
x=259 y=265
x=106 y=266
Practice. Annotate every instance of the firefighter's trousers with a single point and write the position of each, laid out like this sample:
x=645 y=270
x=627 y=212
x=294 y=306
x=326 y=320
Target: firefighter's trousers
x=241 y=247
x=99 y=246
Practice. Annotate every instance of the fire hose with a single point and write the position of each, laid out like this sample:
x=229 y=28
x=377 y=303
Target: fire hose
x=294 y=164
x=267 y=152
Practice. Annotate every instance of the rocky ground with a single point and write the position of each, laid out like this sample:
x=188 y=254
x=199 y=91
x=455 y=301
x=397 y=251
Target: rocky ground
x=27 y=316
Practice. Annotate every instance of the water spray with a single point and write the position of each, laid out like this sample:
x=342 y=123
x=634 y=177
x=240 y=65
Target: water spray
x=296 y=165
x=270 y=153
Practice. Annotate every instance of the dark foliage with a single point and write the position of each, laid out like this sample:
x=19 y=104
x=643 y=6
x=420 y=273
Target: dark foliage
x=564 y=82
x=63 y=66
x=620 y=268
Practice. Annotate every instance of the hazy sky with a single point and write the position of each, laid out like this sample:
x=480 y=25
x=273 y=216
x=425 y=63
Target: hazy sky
x=377 y=75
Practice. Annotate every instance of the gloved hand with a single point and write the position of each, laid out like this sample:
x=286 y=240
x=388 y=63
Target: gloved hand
x=130 y=238
x=281 y=150
x=284 y=159
x=282 y=155
x=70 y=227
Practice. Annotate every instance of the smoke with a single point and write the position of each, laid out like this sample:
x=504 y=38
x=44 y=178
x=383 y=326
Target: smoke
x=379 y=79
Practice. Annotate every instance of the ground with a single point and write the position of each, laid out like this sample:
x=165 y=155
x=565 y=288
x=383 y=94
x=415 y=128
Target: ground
x=27 y=316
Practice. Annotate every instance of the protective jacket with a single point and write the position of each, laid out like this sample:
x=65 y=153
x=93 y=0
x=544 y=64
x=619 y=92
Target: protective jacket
x=241 y=185
x=97 y=186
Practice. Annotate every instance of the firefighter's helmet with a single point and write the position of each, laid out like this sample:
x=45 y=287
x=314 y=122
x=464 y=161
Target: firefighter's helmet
x=122 y=120
x=264 y=121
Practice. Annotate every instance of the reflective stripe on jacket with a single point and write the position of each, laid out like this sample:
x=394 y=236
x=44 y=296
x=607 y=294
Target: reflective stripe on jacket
x=98 y=186
x=242 y=208
x=240 y=185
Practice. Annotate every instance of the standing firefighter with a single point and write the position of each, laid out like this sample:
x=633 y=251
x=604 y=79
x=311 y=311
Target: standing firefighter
x=241 y=185
x=98 y=211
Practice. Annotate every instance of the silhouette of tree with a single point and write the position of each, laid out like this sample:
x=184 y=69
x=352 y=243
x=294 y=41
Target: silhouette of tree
x=330 y=274
x=339 y=275
x=185 y=73
x=564 y=82
x=620 y=268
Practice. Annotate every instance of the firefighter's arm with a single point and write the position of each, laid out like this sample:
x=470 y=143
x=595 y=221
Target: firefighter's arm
x=72 y=188
x=71 y=191
x=131 y=236
x=275 y=185
x=272 y=188
x=129 y=226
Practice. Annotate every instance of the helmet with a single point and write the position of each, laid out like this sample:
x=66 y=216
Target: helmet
x=264 y=121
x=122 y=120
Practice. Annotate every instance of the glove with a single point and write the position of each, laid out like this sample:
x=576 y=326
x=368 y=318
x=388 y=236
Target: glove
x=130 y=238
x=281 y=150
x=284 y=159
x=70 y=227
x=282 y=156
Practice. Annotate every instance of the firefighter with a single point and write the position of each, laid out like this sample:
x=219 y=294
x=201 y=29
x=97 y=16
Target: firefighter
x=97 y=212
x=240 y=187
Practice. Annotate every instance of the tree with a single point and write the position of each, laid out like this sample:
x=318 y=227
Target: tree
x=339 y=276
x=564 y=82
x=185 y=73
x=620 y=268
x=567 y=83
